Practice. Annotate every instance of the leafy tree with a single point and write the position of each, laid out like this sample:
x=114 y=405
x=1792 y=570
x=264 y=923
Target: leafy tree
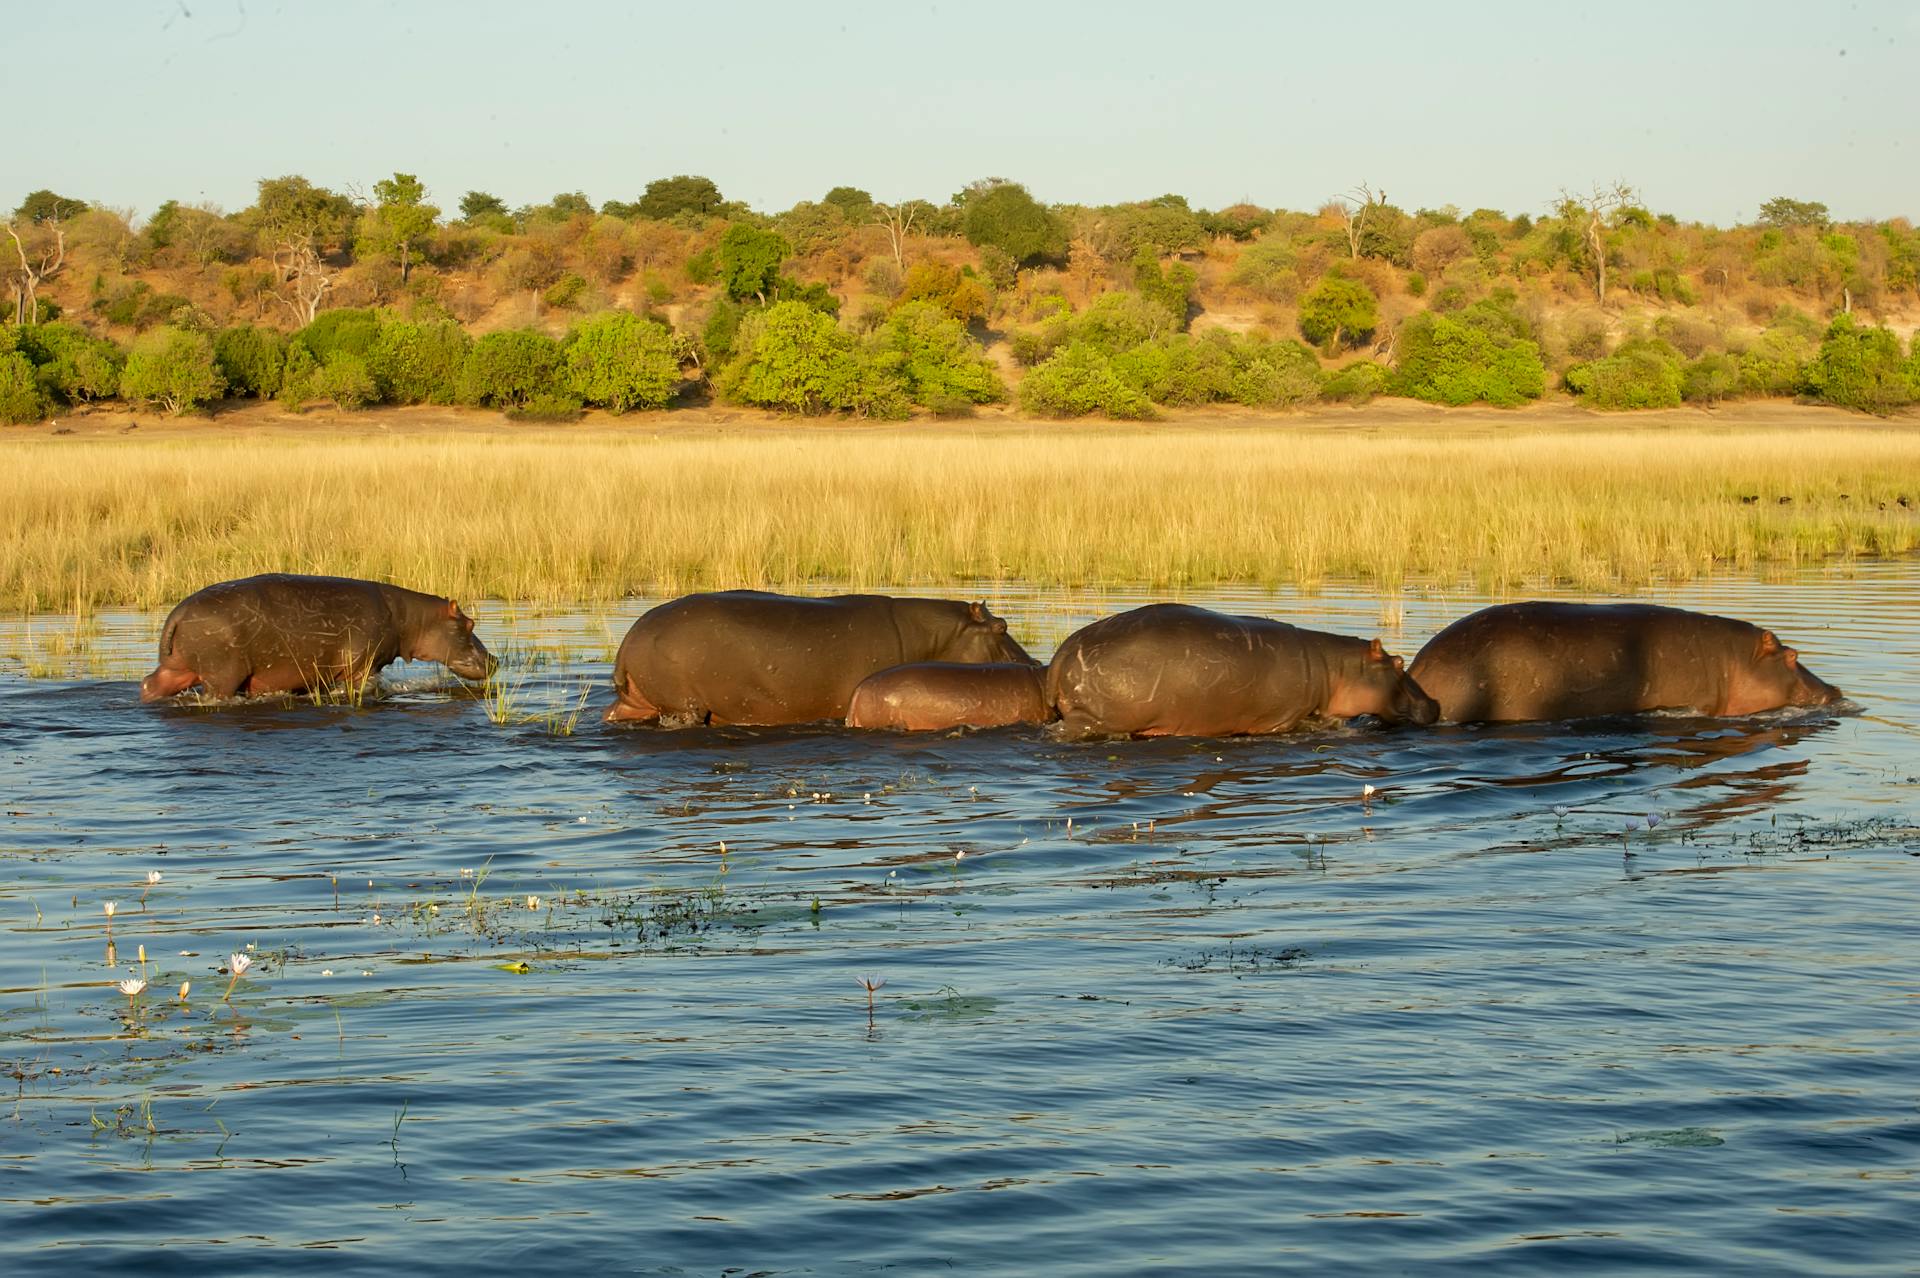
x=71 y=363
x=1781 y=211
x=172 y=367
x=749 y=262
x=1171 y=287
x=509 y=369
x=723 y=323
x=1640 y=374
x=1236 y=221
x=476 y=206
x=620 y=361
x=669 y=197
x=1464 y=358
x=799 y=360
x=400 y=221
x=1860 y=368
x=418 y=361
x=850 y=200
x=346 y=381
x=250 y=359
x=301 y=224
x=1078 y=380
x=45 y=206
x=348 y=329
x=1160 y=226
x=1267 y=269
x=930 y=352
x=1357 y=383
x=1710 y=379
x=1005 y=216
x=1338 y=311
x=21 y=399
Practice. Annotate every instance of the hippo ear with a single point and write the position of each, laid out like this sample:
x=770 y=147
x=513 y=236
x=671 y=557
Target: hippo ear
x=1376 y=651
x=1769 y=643
x=1791 y=656
x=453 y=609
x=999 y=626
x=978 y=611
x=1399 y=664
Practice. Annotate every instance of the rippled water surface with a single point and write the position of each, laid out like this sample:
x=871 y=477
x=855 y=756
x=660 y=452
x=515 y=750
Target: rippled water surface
x=591 y=1002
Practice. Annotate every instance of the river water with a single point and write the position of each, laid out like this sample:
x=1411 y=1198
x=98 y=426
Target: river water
x=528 y=999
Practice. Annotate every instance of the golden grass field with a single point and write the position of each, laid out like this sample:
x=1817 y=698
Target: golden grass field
x=582 y=514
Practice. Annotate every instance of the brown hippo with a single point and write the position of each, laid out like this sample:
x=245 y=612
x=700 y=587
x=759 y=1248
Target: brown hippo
x=1175 y=670
x=929 y=696
x=749 y=657
x=1530 y=661
x=281 y=633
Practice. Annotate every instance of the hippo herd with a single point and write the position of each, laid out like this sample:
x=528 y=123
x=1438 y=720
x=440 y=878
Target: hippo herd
x=875 y=661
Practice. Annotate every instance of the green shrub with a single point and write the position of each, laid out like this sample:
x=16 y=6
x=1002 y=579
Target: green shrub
x=547 y=406
x=251 y=360
x=1416 y=284
x=1274 y=374
x=949 y=407
x=1640 y=374
x=1078 y=380
x=345 y=380
x=619 y=361
x=21 y=399
x=1860 y=368
x=73 y=366
x=1120 y=321
x=1710 y=379
x=347 y=329
x=1170 y=287
x=508 y=369
x=565 y=291
x=135 y=305
x=1267 y=269
x=1468 y=357
x=1338 y=312
x=723 y=322
x=419 y=361
x=797 y=359
x=1357 y=383
x=174 y=368
x=1181 y=371
x=934 y=358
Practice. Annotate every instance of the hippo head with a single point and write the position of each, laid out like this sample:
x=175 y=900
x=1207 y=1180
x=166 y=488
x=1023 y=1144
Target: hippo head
x=1773 y=677
x=1379 y=685
x=447 y=637
x=983 y=638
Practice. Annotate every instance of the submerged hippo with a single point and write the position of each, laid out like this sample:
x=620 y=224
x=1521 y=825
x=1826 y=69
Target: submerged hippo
x=1175 y=670
x=281 y=633
x=1530 y=661
x=930 y=696
x=749 y=657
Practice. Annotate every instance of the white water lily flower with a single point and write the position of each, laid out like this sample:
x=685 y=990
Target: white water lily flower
x=132 y=987
x=1560 y=809
x=533 y=903
x=184 y=987
x=109 y=907
x=1653 y=819
x=326 y=971
x=153 y=877
x=239 y=963
x=1368 y=791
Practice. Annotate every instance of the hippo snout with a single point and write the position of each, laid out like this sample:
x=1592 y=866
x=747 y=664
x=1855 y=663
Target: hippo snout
x=1424 y=711
x=477 y=668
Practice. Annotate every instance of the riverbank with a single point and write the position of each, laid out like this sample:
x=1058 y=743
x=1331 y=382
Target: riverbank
x=132 y=510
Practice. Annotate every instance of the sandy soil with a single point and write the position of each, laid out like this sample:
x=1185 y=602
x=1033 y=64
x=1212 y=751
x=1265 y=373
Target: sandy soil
x=1393 y=416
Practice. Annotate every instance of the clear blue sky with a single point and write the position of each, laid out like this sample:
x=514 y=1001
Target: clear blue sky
x=1708 y=106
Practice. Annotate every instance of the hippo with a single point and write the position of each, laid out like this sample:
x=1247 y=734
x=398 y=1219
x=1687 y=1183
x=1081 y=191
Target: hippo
x=930 y=696
x=1176 y=670
x=750 y=657
x=1534 y=661
x=282 y=633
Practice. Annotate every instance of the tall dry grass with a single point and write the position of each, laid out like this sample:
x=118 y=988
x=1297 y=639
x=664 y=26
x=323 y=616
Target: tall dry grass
x=88 y=523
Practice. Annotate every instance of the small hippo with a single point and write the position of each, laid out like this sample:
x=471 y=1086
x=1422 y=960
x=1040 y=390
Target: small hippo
x=282 y=633
x=1175 y=670
x=749 y=657
x=929 y=696
x=1533 y=661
